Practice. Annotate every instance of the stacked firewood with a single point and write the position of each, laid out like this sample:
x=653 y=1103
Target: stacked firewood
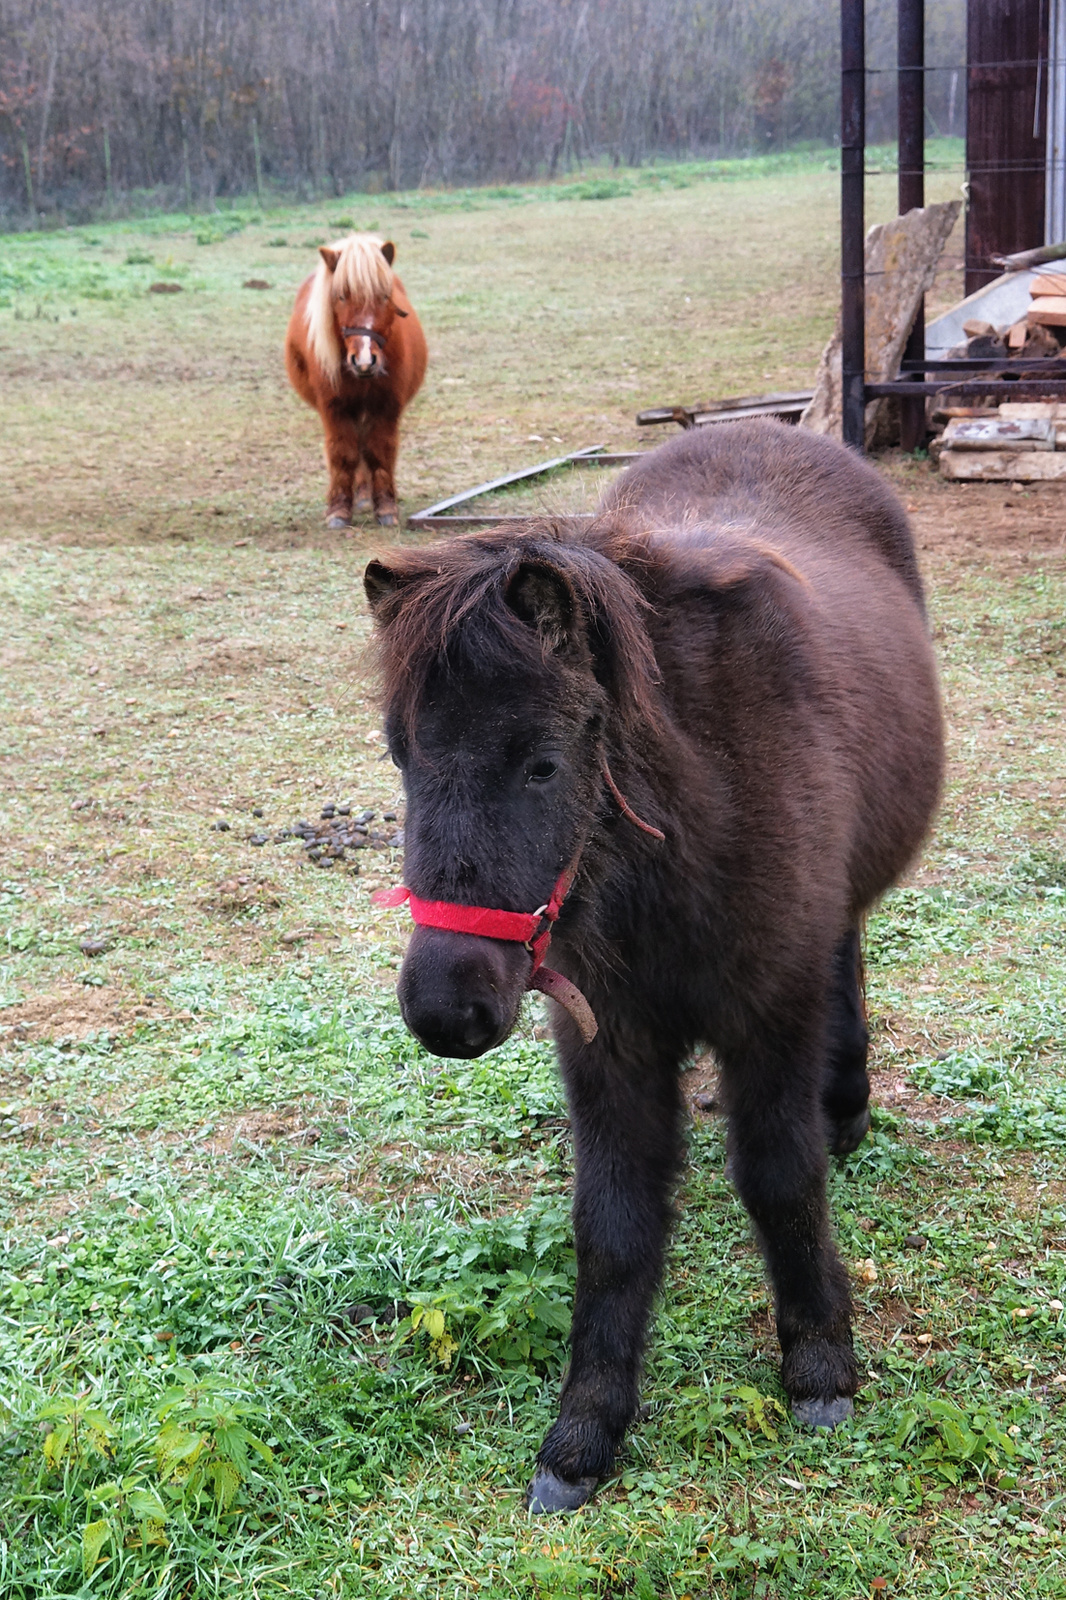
x=1041 y=332
x=1017 y=440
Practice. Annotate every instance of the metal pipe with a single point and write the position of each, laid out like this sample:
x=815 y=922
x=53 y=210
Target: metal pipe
x=910 y=61
x=1055 y=201
x=852 y=220
x=999 y=388
x=911 y=71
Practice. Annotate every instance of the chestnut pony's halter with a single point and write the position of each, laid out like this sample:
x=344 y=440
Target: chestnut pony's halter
x=371 y=333
x=366 y=333
x=531 y=928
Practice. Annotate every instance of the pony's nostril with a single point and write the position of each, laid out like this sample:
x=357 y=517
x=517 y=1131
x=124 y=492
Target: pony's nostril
x=461 y=1031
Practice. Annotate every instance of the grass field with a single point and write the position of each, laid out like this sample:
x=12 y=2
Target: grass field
x=283 y=1300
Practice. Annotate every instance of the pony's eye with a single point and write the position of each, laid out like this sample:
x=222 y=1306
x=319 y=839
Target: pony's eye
x=542 y=770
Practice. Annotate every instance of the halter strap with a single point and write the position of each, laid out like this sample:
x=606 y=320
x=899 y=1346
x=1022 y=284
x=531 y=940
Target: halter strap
x=531 y=928
x=366 y=333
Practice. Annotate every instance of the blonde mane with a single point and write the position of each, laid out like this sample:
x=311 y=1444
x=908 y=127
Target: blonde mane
x=361 y=274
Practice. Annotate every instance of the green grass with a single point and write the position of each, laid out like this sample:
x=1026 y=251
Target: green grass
x=194 y=1296
x=283 y=1300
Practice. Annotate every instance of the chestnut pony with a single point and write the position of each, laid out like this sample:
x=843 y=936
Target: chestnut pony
x=690 y=741
x=356 y=352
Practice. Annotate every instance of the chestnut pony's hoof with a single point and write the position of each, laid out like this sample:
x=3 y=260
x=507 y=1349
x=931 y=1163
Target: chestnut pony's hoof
x=387 y=519
x=336 y=521
x=549 y=1493
x=363 y=505
x=827 y=1414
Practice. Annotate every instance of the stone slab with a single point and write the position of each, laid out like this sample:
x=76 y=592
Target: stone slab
x=1000 y=433
x=900 y=260
x=1012 y=466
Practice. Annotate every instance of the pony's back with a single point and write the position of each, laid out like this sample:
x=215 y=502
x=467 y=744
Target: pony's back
x=806 y=490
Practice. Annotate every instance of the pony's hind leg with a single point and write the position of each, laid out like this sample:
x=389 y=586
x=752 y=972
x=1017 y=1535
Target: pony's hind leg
x=625 y=1115
x=846 y=1092
x=778 y=1163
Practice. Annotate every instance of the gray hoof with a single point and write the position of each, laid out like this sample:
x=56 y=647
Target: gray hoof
x=386 y=519
x=338 y=522
x=849 y=1134
x=826 y=1414
x=549 y=1493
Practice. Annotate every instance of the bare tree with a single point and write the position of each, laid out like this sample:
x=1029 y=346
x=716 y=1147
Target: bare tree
x=183 y=101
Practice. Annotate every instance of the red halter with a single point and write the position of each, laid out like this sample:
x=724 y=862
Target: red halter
x=531 y=928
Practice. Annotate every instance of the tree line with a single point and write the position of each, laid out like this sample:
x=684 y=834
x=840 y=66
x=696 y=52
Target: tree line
x=182 y=102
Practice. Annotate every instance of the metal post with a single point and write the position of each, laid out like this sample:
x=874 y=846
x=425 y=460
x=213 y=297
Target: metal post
x=1055 y=203
x=911 y=63
x=911 y=72
x=852 y=219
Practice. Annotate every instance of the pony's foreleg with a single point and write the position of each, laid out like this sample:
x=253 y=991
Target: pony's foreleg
x=380 y=448
x=363 y=489
x=778 y=1163
x=625 y=1114
x=342 y=459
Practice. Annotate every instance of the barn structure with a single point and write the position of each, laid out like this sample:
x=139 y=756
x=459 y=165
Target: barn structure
x=1015 y=182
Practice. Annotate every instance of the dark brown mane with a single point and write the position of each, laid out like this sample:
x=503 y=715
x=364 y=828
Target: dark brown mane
x=449 y=603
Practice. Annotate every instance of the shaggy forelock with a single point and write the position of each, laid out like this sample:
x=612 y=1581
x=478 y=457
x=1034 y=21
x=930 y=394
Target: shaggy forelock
x=449 y=605
x=361 y=274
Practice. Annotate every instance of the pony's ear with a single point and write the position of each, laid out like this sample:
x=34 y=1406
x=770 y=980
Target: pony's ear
x=541 y=595
x=388 y=250
x=330 y=257
x=380 y=583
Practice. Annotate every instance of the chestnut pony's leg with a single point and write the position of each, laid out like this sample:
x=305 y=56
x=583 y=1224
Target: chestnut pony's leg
x=364 y=500
x=342 y=459
x=381 y=445
x=778 y=1163
x=625 y=1115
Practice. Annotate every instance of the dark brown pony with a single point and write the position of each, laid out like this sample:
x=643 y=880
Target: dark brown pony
x=356 y=352
x=734 y=653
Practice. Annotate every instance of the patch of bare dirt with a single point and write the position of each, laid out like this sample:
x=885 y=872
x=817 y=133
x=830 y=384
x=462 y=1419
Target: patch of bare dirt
x=1030 y=1189
x=236 y=657
x=889 y=1088
x=74 y=1010
x=894 y=1091
x=261 y=1128
x=372 y=1176
x=233 y=896
x=972 y=523
x=699 y=1087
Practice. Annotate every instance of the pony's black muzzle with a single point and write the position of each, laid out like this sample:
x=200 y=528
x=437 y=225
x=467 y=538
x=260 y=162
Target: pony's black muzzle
x=460 y=994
